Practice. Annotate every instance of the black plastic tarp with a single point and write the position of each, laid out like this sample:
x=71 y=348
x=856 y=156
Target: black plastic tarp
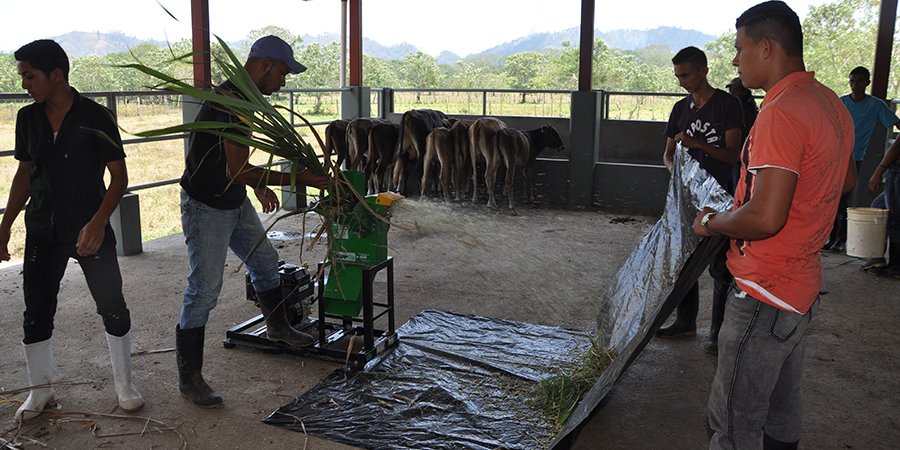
x=460 y=382
x=454 y=382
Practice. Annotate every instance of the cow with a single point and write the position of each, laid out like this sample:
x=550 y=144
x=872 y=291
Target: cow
x=459 y=134
x=358 y=141
x=439 y=145
x=414 y=128
x=520 y=149
x=382 y=144
x=336 y=140
x=482 y=139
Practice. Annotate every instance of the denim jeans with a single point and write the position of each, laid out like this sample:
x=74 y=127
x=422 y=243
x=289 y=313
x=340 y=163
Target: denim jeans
x=209 y=233
x=756 y=390
x=43 y=268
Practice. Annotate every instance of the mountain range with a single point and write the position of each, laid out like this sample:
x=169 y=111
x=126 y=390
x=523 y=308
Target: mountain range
x=79 y=43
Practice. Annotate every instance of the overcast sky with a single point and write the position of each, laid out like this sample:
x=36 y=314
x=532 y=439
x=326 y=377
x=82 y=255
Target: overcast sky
x=460 y=26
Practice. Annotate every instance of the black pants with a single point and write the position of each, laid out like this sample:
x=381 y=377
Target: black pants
x=721 y=276
x=839 y=227
x=43 y=269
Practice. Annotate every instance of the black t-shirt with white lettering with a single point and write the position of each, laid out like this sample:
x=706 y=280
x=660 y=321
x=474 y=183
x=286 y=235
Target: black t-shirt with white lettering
x=722 y=112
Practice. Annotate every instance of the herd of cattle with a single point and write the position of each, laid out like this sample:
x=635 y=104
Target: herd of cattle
x=391 y=155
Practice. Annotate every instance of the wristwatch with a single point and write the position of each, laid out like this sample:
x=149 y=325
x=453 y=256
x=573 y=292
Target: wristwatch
x=705 y=220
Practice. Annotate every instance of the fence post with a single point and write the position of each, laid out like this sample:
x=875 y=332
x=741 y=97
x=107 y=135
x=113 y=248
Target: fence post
x=126 y=224
x=291 y=201
x=386 y=105
x=355 y=102
x=584 y=139
x=190 y=106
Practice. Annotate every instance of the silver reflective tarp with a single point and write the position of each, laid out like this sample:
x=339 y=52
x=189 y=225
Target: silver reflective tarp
x=654 y=279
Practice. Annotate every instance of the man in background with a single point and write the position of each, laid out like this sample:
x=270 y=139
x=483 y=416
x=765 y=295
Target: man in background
x=707 y=123
x=866 y=111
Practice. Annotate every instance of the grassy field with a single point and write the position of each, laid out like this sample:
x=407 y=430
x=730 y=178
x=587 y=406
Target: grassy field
x=164 y=160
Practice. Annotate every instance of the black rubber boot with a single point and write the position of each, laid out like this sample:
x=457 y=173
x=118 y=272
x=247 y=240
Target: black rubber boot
x=720 y=296
x=189 y=354
x=278 y=328
x=770 y=443
x=685 y=316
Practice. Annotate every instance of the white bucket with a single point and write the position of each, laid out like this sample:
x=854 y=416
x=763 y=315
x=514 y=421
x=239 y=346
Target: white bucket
x=866 y=232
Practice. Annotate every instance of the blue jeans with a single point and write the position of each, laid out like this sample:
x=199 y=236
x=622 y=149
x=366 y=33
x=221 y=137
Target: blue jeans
x=756 y=390
x=209 y=233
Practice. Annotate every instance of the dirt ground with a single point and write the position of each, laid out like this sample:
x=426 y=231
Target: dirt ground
x=540 y=266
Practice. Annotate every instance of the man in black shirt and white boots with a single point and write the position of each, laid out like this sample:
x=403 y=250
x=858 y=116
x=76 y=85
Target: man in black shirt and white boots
x=64 y=144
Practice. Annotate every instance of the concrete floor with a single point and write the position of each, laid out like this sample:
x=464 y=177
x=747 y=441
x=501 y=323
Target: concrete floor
x=539 y=266
x=852 y=375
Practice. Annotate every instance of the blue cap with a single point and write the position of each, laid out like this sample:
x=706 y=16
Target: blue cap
x=274 y=47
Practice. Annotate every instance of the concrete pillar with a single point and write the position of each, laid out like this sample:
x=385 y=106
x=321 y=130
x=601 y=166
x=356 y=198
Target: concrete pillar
x=355 y=102
x=386 y=105
x=289 y=200
x=584 y=139
x=190 y=106
x=878 y=145
x=126 y=224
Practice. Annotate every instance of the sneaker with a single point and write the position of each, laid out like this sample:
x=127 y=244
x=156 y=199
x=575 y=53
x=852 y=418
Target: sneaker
x=874 y=263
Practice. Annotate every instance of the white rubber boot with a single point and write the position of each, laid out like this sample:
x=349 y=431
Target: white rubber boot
x=130 y=399
x=39 y=364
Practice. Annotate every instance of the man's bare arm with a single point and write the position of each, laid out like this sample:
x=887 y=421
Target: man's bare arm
x=763 y=216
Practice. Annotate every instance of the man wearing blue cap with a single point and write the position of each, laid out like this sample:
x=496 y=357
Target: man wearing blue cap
x=217 y=215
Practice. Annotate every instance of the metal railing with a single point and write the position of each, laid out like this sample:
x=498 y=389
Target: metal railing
x=617 y=105
x=483 y=102
x=114 y=100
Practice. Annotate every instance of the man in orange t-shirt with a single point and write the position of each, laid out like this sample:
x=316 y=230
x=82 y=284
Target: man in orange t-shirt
x=795 y=165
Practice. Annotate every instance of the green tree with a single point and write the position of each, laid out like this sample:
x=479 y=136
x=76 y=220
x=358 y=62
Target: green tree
x=419 y=70
x=838 y=37
x=322 y=70
x=563 y=68
x=9 y=75
x=378 y=72
x=522 y=69
x=93 y=74
x=720 y=54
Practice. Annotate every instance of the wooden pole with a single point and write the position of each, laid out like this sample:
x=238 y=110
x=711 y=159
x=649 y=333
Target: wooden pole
x=884 y=46
x=200 y=43
x=355 y=43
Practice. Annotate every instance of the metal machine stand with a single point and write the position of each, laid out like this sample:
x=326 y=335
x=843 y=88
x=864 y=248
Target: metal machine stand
x=337 y=335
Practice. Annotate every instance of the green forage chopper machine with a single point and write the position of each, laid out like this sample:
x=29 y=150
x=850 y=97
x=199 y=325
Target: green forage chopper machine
x=356 y=231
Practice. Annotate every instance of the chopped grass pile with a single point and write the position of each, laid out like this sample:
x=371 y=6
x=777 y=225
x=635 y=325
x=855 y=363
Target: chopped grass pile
x=558 y=396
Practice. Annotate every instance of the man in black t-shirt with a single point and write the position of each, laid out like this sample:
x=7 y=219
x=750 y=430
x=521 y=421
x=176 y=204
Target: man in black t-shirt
x=708 y=124
x=64 y=144
x=217 y=215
